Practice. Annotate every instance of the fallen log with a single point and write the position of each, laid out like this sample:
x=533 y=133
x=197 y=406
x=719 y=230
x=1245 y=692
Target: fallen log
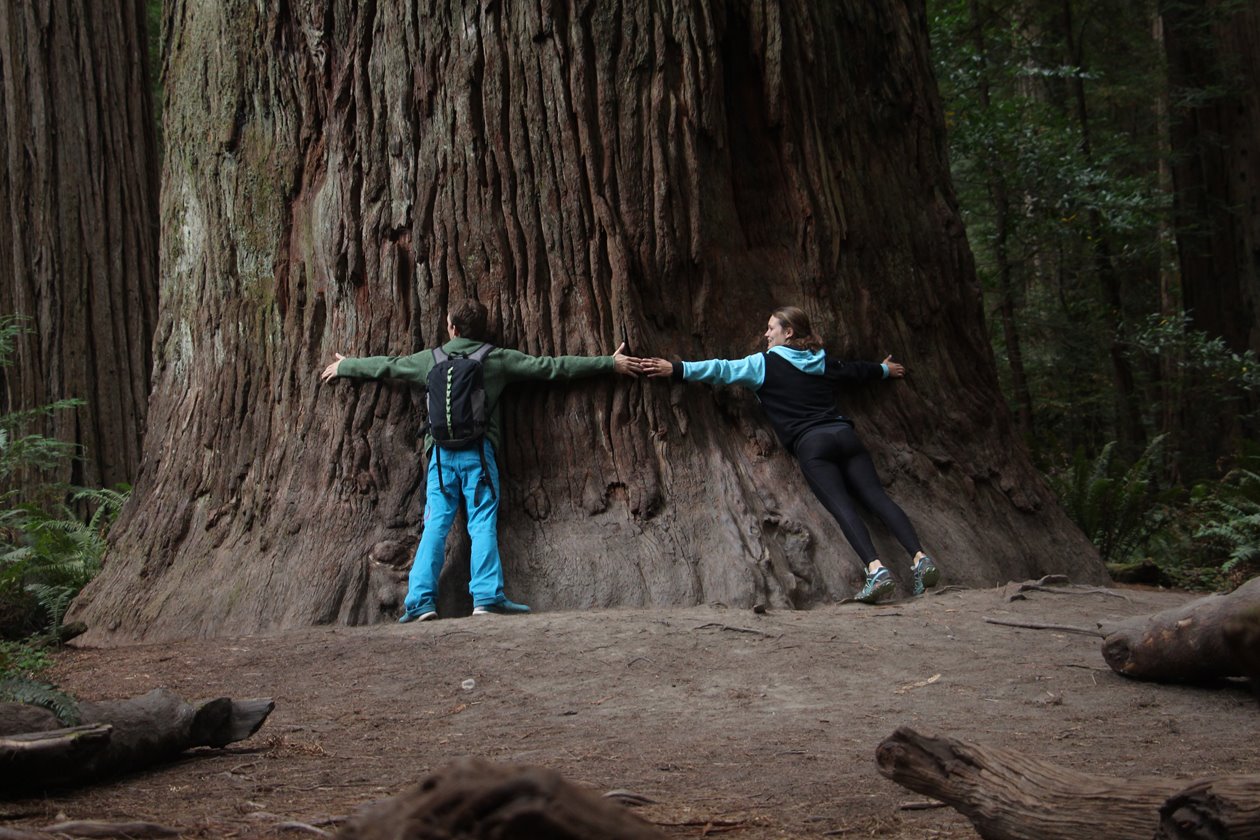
x=1204 y=640
x=117 y=736
x=471 y=798
x=1009 y=796
x=1211 y=809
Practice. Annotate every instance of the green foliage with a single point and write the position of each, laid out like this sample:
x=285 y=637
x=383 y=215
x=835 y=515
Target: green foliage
x=51 y=556
x=37 y=694
x=1232 y=523
x=48 y=550
x=22 y=660
x=1054 y=151
x=22 y=453
x=1209 y=370
x=1117 y=507
x=20 y=663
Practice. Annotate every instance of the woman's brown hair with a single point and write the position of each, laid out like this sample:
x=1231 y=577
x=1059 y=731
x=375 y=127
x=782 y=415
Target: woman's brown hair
x=797 y=321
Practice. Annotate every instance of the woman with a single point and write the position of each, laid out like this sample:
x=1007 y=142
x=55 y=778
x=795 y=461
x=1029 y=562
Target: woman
x=795 y=380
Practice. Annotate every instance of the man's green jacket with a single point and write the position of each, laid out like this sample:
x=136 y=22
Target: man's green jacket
x=501 y=368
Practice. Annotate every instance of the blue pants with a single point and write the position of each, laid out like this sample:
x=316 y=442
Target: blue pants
x=466 y=481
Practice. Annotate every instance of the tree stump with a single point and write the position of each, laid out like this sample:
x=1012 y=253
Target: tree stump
x=116 y=737
x=1207 y=639
x=1009 y=796
x=471 y=798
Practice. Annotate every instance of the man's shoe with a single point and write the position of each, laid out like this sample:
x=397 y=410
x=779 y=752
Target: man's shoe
x=422 y=615
x=926 y=575
x=504 y=607
x=879 y=585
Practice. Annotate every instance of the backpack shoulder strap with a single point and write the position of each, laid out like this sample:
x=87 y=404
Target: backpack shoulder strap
x=481 y=352
x=439 y=355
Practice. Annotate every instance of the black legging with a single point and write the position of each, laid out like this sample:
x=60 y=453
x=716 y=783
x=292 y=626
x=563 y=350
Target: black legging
x=838 y=467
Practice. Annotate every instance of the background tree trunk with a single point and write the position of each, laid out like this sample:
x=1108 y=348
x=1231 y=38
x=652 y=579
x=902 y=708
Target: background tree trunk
x=78 y=191
x=336 y=172
x=1214 y=71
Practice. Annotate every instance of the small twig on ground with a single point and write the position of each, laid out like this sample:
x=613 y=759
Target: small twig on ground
x=1083 y=590
x=1032 y=625
x=923 y=805
x=735 y=629
x=293 y=825
x=1057 y=585
x=919 y=684
x=629 y=797
x=707 y=827
x=96 y=828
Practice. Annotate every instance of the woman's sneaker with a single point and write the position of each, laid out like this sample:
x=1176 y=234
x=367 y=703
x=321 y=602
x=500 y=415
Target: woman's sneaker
x=926 y=575
x=879 y=585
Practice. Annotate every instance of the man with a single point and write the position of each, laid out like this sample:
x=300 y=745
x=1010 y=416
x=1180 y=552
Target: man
x=471 y=473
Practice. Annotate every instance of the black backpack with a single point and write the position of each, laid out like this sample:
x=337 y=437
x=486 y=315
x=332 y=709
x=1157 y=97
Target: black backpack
x=459 y=414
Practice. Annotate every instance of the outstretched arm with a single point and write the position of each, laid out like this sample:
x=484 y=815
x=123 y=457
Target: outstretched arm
x=413 y=368
x=518 y=365
x=749 y=371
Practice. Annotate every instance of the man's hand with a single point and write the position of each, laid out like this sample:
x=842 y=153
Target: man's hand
x=627 y=365
x=657 y=367
x=896 y=370
x=330 y=372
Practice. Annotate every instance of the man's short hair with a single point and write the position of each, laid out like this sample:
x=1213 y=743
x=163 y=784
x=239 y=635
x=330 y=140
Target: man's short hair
x=469 y=317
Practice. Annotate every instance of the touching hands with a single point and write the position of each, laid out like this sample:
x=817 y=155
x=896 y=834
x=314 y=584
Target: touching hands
x=634 y=366
x=626 y=365
x=896 y=370
x=657 y=367
x=330 y=372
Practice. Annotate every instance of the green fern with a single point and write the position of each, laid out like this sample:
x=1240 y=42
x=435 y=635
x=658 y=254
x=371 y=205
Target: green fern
x=1234 y=521
x=58 y=552
x=22 y=690
x=1117 y=508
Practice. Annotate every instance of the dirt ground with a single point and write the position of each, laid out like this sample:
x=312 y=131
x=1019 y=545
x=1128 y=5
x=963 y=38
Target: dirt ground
x=733 y=723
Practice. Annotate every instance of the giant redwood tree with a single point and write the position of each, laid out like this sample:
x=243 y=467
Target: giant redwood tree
x=78 y=198
x=336 y=172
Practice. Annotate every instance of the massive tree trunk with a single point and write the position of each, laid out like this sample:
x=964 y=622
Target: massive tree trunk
x=666 y=172
x=1213 y=54
x=78 y=193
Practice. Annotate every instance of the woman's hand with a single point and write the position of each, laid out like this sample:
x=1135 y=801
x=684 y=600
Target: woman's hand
x=657 y=367
x=896 y=370
x=330 y=372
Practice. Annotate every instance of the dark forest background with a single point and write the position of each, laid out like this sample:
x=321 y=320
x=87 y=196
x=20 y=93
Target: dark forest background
x=1105 y=157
